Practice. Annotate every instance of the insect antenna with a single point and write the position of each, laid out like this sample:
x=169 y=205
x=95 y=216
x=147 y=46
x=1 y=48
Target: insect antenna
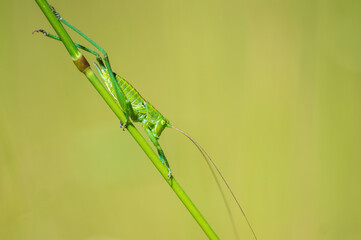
x=209 y=160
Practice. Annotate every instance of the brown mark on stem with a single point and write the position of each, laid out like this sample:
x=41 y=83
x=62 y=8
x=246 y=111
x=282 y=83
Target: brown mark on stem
x=81 y=63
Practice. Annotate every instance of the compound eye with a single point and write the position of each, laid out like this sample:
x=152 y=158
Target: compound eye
x=162 y=122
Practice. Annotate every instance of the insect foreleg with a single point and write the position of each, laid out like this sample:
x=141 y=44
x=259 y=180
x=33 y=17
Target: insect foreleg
x=161 y=155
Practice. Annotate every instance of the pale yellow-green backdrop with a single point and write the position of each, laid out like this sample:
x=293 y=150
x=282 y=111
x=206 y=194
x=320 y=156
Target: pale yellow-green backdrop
x=270 y=88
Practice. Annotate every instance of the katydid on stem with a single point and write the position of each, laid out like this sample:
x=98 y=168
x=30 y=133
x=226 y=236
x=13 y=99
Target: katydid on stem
x=137 y=109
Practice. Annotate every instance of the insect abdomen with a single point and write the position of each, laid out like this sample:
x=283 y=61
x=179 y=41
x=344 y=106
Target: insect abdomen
x=130 y=93
x=141 y=108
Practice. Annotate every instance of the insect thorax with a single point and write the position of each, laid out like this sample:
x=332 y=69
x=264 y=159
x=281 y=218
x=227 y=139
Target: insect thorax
x=143 y=111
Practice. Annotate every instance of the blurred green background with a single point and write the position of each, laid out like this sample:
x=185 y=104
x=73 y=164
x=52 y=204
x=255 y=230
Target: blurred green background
x=271 y=89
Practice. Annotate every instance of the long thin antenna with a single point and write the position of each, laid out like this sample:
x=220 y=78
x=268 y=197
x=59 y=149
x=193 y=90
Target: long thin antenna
x=208 y=158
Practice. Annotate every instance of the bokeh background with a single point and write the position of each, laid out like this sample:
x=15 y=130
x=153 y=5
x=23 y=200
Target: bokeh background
x=271 y=89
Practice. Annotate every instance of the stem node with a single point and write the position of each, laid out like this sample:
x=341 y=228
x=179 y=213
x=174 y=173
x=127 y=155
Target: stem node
x=81 y=63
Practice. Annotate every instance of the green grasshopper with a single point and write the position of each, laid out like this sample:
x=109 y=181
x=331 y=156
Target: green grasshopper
x=137 y=109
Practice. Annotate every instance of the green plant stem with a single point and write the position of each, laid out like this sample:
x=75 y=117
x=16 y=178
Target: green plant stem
x=83 y=66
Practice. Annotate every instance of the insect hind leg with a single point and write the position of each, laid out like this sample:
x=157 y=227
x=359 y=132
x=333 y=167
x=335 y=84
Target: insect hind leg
x=119 y=93
x=45 y=33
x=129 y=110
